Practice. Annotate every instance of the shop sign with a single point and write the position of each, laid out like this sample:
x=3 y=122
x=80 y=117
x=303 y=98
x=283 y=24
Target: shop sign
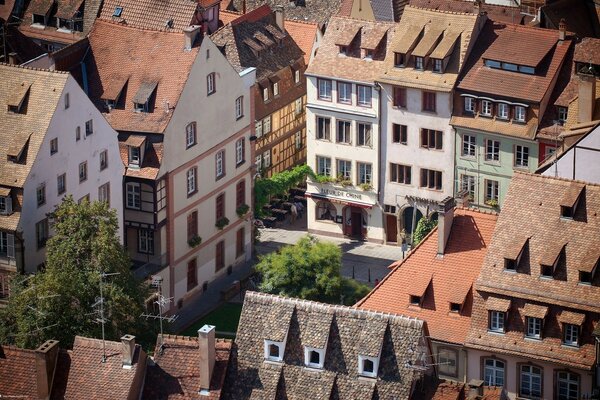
x=341 y=193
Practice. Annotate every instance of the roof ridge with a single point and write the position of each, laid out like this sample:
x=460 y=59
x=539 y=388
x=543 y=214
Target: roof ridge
x=526 y=27
x=469 y=14
x=11 y=347
x=35 y=69
x=344 y=17
x=136 y=28
x=301 y=22
x=524 y=174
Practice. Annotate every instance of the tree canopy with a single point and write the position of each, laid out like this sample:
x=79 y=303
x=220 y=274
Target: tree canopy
x=278 y=185
x=309 y=270
x=424 y=226
x=58 y=303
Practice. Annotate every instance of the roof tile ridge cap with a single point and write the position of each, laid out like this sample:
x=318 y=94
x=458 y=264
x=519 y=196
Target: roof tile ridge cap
x=26 y=67
x=527 y=27
x=556 y=178
x=387 y=316
x=363 y=21
x=302 y=22
x=436 y=11
x=477 y=211
x=12 y=347
x=137 y=28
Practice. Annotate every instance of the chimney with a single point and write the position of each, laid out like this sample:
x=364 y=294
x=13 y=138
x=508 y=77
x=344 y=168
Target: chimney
x=127 y=350
x=12 y=58
x=280 y=17
x=462 y=199
x=476 y=7
x=587 y=97
x=243 y=6
x=445 y=217
x=190 y=34
x=206 y=342
x=562 y=29
x=45 y=363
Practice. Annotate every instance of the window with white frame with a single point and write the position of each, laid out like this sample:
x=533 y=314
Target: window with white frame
x=134 y=156
x=274 y=350
x=344 y=92
x=323 y=128
x=492 y=190
x=519 y=113
x=368 y=366
x=267 y=158
x=210 y=83
x=104 y=193
x=83 y=171
x=567 y=385
x=134 y=195
x=103 y=160
x=492 y=150
x=502 y=111
x=364 y=95
x=265 y=94
x=447 y=360
x=324 y=89
x=258 y=161
x=220 y=164
x=437 y=65
x=486 y=108
x=419 y=63
x=267 y=125
x=298 y=140
x=145 y=241
x=190 y=134
x=365 y=173
x=363 y=134
x=258 y=129
x=297 y=76
x=468 y=145
x=240 y=154
x=521 y=156
x=324 y=166
x=7 y=245
x=469 y=104
x=343 y=132
x=496 y=323
x=493 y=372
x=313 y=357
x=41 y=194
x=467 y=182
x=275 y=89
x=298 y=106
x=571 y=334
x=534 y=328
x=530 y=382
x=562 y=114
x=191 y=175
x=344 y=169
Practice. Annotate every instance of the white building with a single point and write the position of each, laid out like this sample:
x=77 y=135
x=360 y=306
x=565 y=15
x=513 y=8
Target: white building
x=343 y=130
x=426 y=54
x=53 y=142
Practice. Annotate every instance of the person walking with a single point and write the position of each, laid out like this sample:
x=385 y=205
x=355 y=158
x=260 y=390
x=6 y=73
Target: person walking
x=294 y=211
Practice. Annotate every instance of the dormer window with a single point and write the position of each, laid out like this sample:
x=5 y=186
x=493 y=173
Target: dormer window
x=140 y=107
x=313 y=357
x=141 y=100
x=571 y=325
x=369 y=54
x=437 y=65
x=399 y=60
x=486 y=108
x=39 y=19
x=415 y=300
x=368 y=366
x=17 y=101
x=266 y=94
x=513 y=254
x=562 y=114
x=520 y=114
x=274 y=350
x=570 y=201
x=588 y=265
x=419 y=63
x=343 y=50
x=502 y=112
x=134 y=156
x=5 y=202
x=276 y=89
x=455 y=307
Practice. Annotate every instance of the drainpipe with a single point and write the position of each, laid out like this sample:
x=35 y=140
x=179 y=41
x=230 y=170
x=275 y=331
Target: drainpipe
x=379 y=88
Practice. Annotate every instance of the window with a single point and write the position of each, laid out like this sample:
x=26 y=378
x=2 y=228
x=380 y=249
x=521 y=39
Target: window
x=258 y=161
x=220 y=164
x=258 y=125
x=486 y=108
x=468 y=145
x=400 y=173
x=67 y=101
x=399 y=134
x=267 y=125
x=134 y=156
x=365 y=173
x=141 y=107
x=220 y=256
x=502 y=111
x=265 y=94
x=567 y=385
x=467 y=182
x=419 y=63
x=519 y=113
x=447 y=362
x=41 y=233
x=274 y=351
x=415 y=300
x=571 y=335
x=343 y=132
x=399 y=97
x=343 y=49
x=496 y=323
x=275 y=89
x=298 y=106
x=239 y=242
x=562 y=114
x=428 y=101
x=240 y=154
x=41 y=194
x=323 y=128
x=469 y=105
x=530 y=384
x=493 y=372
x=455 y=307
x=89 y=127
x=77 y=133
x=491 y=190
x=364 y=95
x=54 y=146
x=298 y=140
x=432 y=139
x=192 y=274
x=324 y=86
x=210 y=83
x=267 y=158
x=344 y=169
x=190 y=135
x=492 y=150
x=5 y=205
x=364 y=135
x=437 y=65
x=191 y=180
x=367 y=366
x=7 y=245
x=314 y=358
x=134 y=195
x=344 y=92
x=399 y=60
x=326 y=211
x=145 y=241
x=297 y=76
x=584 y=276
x=324 y=166
x=220 y=207
x=534 y=328
x=521 y=156
x=192 y=225
x=103 y=160
x=431 y=179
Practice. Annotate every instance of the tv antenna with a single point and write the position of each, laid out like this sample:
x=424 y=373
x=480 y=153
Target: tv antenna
x=99 y=306
x=161 y=301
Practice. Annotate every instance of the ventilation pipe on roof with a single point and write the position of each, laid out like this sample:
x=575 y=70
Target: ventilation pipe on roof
x=206 y=342
x=127 y=350
x=280 y=18
x=445 y=217
x=45 y=363
x=562 y=29
x=190 y=34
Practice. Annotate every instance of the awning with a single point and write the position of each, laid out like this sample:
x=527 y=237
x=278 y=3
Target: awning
x=135 y=140
x=16 y=97
x=427 y=42
x=571 y=195
x=590 y=258
x=406 y=42
x=535 y=311
x=497 y=304
x=443 y=49
x=4 y=191
x=419 y=285
x=339 y=201
x=144 y=92
x=569 y=317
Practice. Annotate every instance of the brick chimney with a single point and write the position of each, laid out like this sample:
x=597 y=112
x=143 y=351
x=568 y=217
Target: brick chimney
x=45 y=363
x=280 y=17
x=462 y=198
x=190 y=34
x=127 y=350
x=587 y=97
x=445 y=217
x=476 y=7
x=12 y=58
x=562 y=29
x=206 y=344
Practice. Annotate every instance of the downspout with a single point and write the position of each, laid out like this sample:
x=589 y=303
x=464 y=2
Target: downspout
x=380 y=90
x=84 y=72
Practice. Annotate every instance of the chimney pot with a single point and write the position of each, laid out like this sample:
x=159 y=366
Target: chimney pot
x=12 y=58
x=45 y=363
x=190 y=34
x=280 y=17
x=445 y=217
x=562 y=29
x=206 y=344
x=462 y=198
x=128 y=350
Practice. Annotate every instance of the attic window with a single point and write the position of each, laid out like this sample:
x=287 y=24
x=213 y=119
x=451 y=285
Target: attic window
x=588 y=265
x=566 y=212
x=17 y=100
x=510 y=265
x=455 y=307
x=369 y=54
x=368 y=366
x=419 y=63
x=142 y=98
x=140 y=107
x=547 y=271
x=313 y=357
x=273 y=351
x=399 y=60
x=510 y=67
x=415 y=300
x=514 y=253
x=570 y=201
x=134 y=156
x=437 y=65
x=39 y=19
x=118 y=11
x=584 y=277
x=343 y=50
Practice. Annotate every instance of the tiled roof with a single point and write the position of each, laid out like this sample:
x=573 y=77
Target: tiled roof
x=536 y=199
x=399 y=339
x=383 y=10
x=176 y=373
x=318 y=11
x=330 y=63
x=500 y=42
x=150 y=14
x=150 y=165
x=241 y=40
x=17 y=373
x=433 y=24
x=45 y=89
x=87 y=377
x=588 y=50
x=580 y=16
x=118 y=52
x=226 y=16
x=494 y=12
x=6 y=8
x=304 y=34
x=451 y=277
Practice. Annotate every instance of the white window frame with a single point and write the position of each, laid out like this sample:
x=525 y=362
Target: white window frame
x=492 y=192
x=219 y=164
x=258 y=161
x=307 y=356
x=297 y=76
x=324 y=166
x=323 y=134
x=437 y=65
x=267 y=158
x=365 y=173
x=239 y=107
x=239 y=151
x=364 y=95
x=190 y=134
x=344 y=92
x=265 y=94
x=275 y=89
x=467 y=182
x=258 y=129
x=469 y=104
x=494 y=155
x=563 y=113
x=324 y=89
x=298 y=105
x=361 y=133
x=571 y=335
x=486 y=108
x=565 y=380
x=361 y=370
x=419 y=63
x=191 y=180
x=346 y=134
x=520 y=113
x=469 y=146
x=210 y=83
x=267 y=125
x=104 y=193
x=133 y=192
x=533 y=328
x=521 y=156
x=531 y=376
x=502 y=111
x=344 y=169
x=280 y=346
x=497 y=321
x=493 y=374
x=145 y=241
x=135 y=156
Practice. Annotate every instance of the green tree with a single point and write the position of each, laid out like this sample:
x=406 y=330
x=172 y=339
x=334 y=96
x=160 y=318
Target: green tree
x=58 y=303
x=424 y=226
x=278 y=185
x=309 y=270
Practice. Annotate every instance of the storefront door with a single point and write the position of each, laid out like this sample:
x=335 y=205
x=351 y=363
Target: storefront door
x=356 y=223
x=391 y=226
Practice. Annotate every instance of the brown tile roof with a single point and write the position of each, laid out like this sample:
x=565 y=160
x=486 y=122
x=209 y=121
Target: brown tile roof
x=16 y=42
x=150 y=14
x=329 y=63
x=39 y=104
x=244 y=34
x=6 y=9
x=350 y=333
x=588 y=50
x=494 y=12
x=304 y=34
x=500 y=42
x=318 y=11
x=150 y=165
x=176 y=370
x=226 y=16
x=112 y=57
x=580 y=17
x=17 y=373
x=453 y=276
x=87 y=377
x=536 y=199
x=451 y=26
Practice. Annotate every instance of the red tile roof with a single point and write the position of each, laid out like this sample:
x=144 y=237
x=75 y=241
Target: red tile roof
x=150 y=165
x=6 y=9
x=17 y=373
x=304 y=34
x=494 y=12
x=588 y=50
x=150 y=14
x=176 y=373
x=226 y=16
x=453 y=275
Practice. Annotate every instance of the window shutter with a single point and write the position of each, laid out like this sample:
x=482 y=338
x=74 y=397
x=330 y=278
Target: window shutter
x=9 y=205
x=11 y=245
x=439 y=142
x=423 y=138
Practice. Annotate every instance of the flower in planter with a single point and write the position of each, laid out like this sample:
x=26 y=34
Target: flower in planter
x=242 y=210
x=492 y=203
x=222 y=223
x=366 y=186
x=195 y=241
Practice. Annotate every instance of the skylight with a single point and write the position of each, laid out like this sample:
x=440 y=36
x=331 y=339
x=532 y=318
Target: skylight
x=509 y=66
x=118 y=11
